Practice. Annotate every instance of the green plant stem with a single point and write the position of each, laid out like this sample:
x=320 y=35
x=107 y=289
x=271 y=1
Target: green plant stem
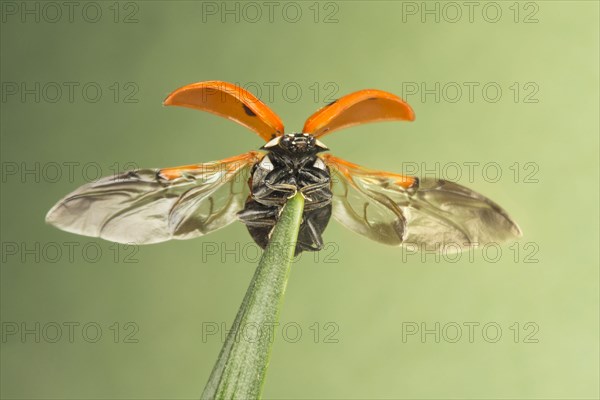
x=240 y=370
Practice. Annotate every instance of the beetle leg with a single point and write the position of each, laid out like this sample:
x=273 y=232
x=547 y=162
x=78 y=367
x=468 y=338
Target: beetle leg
x=283 y=187
x=274 y=184
x=314 y=186
x=310 y=238
x=259 y=216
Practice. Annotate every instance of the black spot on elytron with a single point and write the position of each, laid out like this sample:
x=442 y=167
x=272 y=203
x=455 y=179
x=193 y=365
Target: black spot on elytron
x=331 y=103
x=273 y=135
x=372 y=98
x=248 y=111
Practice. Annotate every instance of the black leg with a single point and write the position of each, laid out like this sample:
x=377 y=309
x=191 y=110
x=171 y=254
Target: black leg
x=259 y=220
x=255 y=215
x=309 y=238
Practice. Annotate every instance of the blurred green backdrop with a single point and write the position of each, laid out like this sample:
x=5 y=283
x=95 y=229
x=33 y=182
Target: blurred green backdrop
x=81 y=96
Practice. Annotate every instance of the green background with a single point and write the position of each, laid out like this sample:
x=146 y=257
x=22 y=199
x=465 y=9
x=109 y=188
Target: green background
x=369 y=292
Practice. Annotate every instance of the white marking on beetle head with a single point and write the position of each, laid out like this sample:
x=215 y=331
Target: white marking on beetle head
x=272 y=142
x=321 y=144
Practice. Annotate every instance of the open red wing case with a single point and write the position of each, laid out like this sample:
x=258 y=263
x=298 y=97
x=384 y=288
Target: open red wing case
x=360 y=107
x=229 y=101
